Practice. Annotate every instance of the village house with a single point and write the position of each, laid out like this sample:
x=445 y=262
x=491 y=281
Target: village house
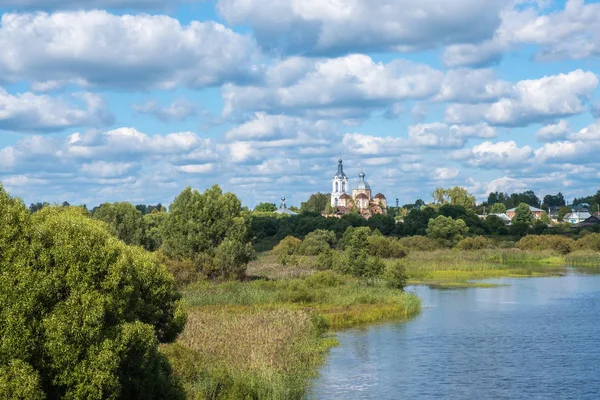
x=537 y=213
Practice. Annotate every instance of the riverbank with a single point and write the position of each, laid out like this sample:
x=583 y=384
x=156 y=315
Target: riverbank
x=266 y=338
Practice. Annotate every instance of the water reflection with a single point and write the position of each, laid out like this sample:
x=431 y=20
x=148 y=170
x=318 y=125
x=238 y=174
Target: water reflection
x=536 y=338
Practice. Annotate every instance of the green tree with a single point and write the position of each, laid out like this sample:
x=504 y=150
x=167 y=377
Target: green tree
x=523 y=214
x=455 y=196
x=198 y=222
x=545 y=219
x=562 y=212
x=316 y=203
x=317 y=242
x=82 y=313
x=446 y=230
x=152 y=239
x=123 y=220
x=265 y=207
x=498 y=208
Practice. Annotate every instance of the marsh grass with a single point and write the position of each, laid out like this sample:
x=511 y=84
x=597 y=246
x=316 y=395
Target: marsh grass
x=265 y=338
x=443 y=266
x=583 y=259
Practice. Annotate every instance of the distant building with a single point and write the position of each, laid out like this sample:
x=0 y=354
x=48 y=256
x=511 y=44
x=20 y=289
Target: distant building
x=537 y=213
x=593 y=220
x=577 y=217
x=361 y=198
x=283 y=208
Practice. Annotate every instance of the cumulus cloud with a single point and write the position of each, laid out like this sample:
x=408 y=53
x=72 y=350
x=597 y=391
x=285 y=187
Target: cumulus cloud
x=319 y=27
x=179 y=110
x=445 y=174
x=554 y=132
x=579 y=148
x=28 y=112
x=489 y=155
x=89 y=4
x=100 y=49
x=570 y=33
x=532 y=101
x=346 y=86
x=472 y=86
x=269 y=127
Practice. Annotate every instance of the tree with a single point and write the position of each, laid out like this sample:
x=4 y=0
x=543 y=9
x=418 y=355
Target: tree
x=494 y=223
x=553 y=201
x=316 y=203
x=545 y=219
x=265 y=207
x=446 y=230
x=562 y=212
x=527 y=197
x=123 y=220
x=152 y=239
x=82 y=313
x=197 y=224
x=455 y=196
x=523 y=215
x=498 y=208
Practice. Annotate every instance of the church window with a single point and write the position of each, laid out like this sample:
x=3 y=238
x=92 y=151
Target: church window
x=337 y=187
x=343 y=186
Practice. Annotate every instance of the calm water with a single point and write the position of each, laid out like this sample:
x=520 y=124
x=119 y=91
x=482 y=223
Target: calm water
x=538 y=338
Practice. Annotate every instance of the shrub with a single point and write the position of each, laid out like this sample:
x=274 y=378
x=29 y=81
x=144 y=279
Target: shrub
x=396 y=276
x=325 y=279
x=364 y=266
x=329 y=259
x=475 y=243
x=546 y=242
x=418 y=243
x=82 y=313
x=507 y=244
x=385 y=247
x=185 y=272
x=591 y=241
x=446 y=231
x=231 y=258
x=288 y=246
x=316 y=242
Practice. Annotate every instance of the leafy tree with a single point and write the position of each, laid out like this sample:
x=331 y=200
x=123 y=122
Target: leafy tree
x=82 y=313
x=523 y=214
x=545 y=219
x=498 y=208
x=317 y=242
x=37 y=207
x=456 y=196
x=265 y=207
x=231 y=258
x=553 y=201
x=417 y=220
x=123 y=220
x=316 y=203
x=494 y=223
x=563 y=212
x=199 y=222
x=446 y=230
x=527 y=197
x=383 y=223
x=152 y=239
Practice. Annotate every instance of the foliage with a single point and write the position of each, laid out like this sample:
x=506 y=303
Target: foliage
x=395 y=275
x=265 y=207
x=523 y=214
x=82 y=313
x=545 y=219
x=316 y=203
x=386 y=247
x=557 y=200
x=198 y=223
x=518 y=228
x=455 y=196
x=418 y=243
x=494 y=223
x=591 y=241
x=231 y=258
x=563 y=212
x=317 y=242
x=558 y=243
x=288 y=246
x=152 y=238
x=475 y=243
x=447 y=231
x=498 y=208
x=123 y=220
x=386 y=224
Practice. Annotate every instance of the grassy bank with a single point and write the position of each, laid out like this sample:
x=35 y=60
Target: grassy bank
x=266 y=338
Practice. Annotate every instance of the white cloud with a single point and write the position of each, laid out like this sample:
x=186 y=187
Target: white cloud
x=269 y=127
x=554 y=132
x=197 y=168
x=570 y=33
x=179 y=110
x=338 y=87
x=103 y=169
x=436 y=135
x=490 y=155
x=472 y=86
x=345 y=26
x=579 y=148
x=532 y=101
x=88 y=4
x=28 y=112
x=128 y=51
x=366 y=145
x=445 y=174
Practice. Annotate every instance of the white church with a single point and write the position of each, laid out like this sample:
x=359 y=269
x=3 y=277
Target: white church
x=360 y=200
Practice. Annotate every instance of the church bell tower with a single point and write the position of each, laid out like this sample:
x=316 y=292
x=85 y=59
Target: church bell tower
x=340 y=185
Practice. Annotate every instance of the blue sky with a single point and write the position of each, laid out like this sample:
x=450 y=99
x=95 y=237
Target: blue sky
x=111 y=100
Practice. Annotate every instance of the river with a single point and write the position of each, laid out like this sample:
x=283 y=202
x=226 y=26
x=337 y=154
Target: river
x=535 y=338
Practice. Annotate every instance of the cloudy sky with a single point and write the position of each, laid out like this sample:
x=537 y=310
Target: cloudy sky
x=109 y=100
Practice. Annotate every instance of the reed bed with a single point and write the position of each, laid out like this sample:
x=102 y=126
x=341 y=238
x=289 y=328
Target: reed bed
x=583 y=259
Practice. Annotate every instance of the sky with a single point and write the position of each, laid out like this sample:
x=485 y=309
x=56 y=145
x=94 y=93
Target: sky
x=133 y=100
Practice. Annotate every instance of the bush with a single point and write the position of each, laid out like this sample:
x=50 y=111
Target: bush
x=546 y=242
x=288 y=246
x=418 y=243
x=325 y=279
x=364 y=266
x=329 y=259
x=317 y=242
x=591 y=241
x=475 y=243
x=185 y=272
x=507 y=244
x=82 y=313
x=446 y=231
x=396 y=276
x=385 y=247
x=231 y=258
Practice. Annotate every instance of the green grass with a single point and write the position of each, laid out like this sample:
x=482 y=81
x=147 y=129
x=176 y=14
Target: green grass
x=583 y=259
x=266 y=338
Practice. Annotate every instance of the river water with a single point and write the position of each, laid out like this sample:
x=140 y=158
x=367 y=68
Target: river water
x=535 y=338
